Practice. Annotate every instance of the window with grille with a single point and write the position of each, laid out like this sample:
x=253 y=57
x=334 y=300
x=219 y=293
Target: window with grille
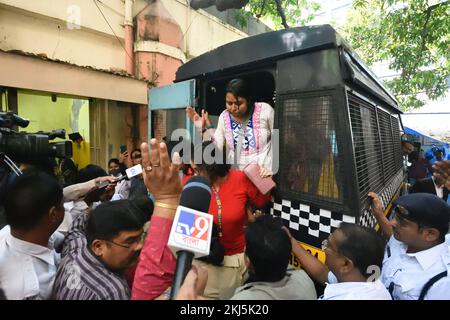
x=366 y=141
x=398 y=155
x=377 y=147
x=309 y=148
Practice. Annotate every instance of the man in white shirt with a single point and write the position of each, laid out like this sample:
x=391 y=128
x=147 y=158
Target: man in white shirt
x=354 y=255
x=34 y=210
x=430 y=185
x=416 y=265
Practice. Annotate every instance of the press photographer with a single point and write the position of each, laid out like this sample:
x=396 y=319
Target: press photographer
x=21 y=149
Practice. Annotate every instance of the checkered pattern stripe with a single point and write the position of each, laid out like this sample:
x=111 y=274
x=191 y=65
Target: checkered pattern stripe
x=307 y=223
x=366 y=218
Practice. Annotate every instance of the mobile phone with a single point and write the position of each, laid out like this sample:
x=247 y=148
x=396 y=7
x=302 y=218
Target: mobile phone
x=123 y=148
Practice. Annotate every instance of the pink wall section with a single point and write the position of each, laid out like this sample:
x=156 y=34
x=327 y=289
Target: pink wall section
x=154 y=23
x=159 y=67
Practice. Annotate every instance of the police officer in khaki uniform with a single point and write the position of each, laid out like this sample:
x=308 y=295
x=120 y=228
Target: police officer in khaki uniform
x=416 y=265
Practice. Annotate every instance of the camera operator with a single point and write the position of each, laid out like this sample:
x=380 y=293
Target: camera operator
x=28 y=149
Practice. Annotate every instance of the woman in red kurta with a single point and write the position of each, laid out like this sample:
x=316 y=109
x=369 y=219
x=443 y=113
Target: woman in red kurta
x=234 y=191
x=231 y=190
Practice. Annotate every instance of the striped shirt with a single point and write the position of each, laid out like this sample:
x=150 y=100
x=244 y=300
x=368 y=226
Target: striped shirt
x=81 y=275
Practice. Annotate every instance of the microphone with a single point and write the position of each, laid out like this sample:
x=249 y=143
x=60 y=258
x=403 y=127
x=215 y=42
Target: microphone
x=130 y=173
x=191 y=231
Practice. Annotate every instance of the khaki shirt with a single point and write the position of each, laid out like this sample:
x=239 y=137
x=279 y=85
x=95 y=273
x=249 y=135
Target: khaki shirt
x=296 y=285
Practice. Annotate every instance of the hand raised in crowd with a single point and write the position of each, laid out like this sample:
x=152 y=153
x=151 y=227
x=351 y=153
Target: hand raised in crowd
x=195 y=118
x=194 y=284
x=205 y=118
x=161 y=176
x=200 y=122
x=442 y=173
x=123 y=157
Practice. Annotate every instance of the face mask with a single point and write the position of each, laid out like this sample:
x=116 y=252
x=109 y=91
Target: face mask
x=115 y=172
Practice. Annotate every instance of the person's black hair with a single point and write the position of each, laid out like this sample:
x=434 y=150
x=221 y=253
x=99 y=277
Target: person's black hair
x=406 y=141
x=219 y=168
x=171 y=144
x=363 y=246
x=110 y=218
x=29 y=199
x=239 y=88
x=135 y=150
x=216 y=249
x=122 y=167
x=113 y=160
x=91 y=171
x=413 y=156
x=69 y=171
x=185 y=145
x=268 y=247
x=47 y=165
x=146 y=207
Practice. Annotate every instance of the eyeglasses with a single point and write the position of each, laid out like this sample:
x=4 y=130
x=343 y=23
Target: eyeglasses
x=131 y=245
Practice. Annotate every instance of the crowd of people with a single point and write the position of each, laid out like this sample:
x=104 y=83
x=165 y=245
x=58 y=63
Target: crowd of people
x=420 y=169
x=76 y=241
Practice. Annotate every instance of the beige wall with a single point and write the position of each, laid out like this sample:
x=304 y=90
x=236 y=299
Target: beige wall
x=92 y=45
x=90 y=17
x=202 y=31
x=40 y=26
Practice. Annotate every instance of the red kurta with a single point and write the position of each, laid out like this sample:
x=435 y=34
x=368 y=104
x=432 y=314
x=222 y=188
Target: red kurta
x=234 y=193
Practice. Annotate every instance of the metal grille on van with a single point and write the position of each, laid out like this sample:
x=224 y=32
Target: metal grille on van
x=309 y=150
x=366 y=141
x=398 y=155
x=377 y=145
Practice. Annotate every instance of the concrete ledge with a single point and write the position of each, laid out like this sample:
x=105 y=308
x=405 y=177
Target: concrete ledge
x=35 y=74
x=158 y=47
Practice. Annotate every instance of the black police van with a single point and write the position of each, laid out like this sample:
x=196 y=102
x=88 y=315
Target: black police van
x=339 y=127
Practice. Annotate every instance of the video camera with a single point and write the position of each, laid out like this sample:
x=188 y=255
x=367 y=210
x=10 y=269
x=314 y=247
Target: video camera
x=33 y=148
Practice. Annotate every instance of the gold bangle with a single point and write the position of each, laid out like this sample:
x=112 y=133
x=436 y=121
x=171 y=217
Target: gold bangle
x=165 y=205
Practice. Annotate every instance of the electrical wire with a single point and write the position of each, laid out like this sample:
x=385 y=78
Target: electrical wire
x=121 y=44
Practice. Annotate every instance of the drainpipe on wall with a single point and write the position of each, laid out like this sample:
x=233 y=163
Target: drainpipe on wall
x=129 y=39
x=129 y=67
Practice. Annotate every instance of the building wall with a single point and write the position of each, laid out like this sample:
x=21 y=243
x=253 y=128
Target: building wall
x=50 y=27
x=41 y=28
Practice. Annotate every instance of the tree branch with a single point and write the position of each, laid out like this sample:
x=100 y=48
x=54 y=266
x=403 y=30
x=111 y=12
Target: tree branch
x=281 y=13
x=423 y=36
x=437 y=5
x=263 y=6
